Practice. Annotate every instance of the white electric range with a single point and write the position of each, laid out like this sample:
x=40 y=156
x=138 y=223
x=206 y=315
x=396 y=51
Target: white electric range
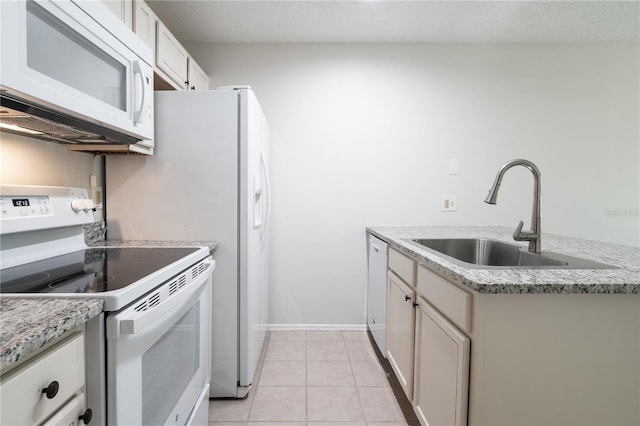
x=147 y=353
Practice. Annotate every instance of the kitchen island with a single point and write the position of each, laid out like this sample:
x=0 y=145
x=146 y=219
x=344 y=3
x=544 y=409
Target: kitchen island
x=514 y=346
x=623 y=280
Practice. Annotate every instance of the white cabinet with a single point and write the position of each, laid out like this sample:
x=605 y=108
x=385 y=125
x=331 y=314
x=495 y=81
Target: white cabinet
x=198 y=79
x=171 y=58
x=441 y=369
x=426 y=348
x=401 y=318
x=123 y=9
x=400 y=324
x=41 y=387
x=144 y=24
x=176 y=69
x=73 y=413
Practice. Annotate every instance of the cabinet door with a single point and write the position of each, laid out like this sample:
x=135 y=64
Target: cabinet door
x=400 y=327
x=145 y=24
x=171 y=57
x=198 y=79
x=441 y=370
x=123 y=9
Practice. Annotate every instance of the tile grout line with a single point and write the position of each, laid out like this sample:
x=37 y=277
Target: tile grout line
x=306 y=382
x=364 y=416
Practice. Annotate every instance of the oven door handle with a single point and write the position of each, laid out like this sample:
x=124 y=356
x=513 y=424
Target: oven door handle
x=132 y=322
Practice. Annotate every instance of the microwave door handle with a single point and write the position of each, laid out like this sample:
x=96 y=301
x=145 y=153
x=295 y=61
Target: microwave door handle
x=137 y=71
x=133 y=322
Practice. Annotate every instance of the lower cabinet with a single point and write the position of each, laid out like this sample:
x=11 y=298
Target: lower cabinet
x=400 y=329
x=48 y=388
x=441 y=369
x=426 y=347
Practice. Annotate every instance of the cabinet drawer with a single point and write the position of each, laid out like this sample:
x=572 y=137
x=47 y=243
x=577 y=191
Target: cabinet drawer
x=21 y=396
x=403 y=266
x=446 y=297
x=69 y=415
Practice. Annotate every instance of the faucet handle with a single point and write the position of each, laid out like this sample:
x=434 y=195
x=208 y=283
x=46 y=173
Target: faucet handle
x=517 y=234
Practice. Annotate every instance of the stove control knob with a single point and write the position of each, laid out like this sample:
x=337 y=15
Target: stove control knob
x=77 y=205
x=89 y=204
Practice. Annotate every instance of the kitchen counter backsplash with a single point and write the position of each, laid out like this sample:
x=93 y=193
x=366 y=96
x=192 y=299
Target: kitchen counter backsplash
x=623 y=280
x=94 y=232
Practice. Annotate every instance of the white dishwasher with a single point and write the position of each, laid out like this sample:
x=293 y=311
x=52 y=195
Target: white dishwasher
x=377 y=290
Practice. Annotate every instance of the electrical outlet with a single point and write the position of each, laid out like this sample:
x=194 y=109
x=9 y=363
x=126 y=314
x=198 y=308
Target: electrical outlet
x=449 y=203
x=97 y=196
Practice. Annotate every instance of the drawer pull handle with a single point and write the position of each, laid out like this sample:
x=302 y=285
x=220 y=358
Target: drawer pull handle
x=407 y=298
x=86 y=417
x=52 y=390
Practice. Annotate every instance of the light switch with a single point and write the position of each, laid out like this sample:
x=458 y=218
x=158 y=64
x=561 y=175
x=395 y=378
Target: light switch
x=454 y=166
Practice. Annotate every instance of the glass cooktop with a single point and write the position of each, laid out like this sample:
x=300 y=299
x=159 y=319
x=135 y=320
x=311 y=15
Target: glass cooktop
x=93 y=270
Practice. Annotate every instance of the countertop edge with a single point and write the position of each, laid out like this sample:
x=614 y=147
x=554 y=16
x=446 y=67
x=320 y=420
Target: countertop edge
x=510 y=281
x=28 y=329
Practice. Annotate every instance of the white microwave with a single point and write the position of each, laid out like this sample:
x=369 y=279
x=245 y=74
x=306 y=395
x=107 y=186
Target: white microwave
x=72 y=72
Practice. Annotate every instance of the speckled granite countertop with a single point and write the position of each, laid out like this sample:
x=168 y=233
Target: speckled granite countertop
x=155 y=243
x=625 y=280
x=26 y=325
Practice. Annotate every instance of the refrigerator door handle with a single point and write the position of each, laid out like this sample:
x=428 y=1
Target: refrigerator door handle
x=267 y=202
x=258 y=202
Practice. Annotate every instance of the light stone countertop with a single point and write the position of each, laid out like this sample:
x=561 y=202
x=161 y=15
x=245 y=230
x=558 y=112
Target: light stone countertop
x=624 y=280
x=155 y=243
x=27 y=325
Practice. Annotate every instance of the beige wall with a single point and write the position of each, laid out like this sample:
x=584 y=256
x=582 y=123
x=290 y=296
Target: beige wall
x=26 y=161
x=362 y=135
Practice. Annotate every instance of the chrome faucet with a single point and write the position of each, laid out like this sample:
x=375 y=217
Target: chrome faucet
x=534 y=236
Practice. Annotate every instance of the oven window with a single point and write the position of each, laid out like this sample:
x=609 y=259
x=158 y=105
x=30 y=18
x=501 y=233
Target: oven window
x=168 y=367
x=57 y=51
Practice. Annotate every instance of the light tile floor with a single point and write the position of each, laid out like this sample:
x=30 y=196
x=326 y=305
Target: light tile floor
x=317 y=377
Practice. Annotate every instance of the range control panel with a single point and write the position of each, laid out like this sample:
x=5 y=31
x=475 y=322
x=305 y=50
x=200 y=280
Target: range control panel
x=28 y=208
x=13 y=207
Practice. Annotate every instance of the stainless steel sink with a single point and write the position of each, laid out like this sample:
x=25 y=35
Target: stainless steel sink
x=488 y=254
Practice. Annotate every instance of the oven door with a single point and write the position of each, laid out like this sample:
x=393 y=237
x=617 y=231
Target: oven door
x=157 y=357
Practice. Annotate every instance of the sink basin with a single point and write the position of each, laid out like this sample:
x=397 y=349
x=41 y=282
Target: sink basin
x=487 y=253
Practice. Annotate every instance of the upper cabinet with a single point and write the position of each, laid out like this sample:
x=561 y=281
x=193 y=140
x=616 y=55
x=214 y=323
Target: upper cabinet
x=144 y=23
x=198 y=79
x=174 y=68
x=123 y=9
x=171 y=58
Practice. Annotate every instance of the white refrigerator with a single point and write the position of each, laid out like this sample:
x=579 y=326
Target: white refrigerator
x=208 y=180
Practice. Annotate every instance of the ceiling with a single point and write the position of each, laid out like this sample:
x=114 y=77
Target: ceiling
x=398 y=21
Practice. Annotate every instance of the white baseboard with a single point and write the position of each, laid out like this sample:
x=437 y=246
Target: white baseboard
x=317 y=327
